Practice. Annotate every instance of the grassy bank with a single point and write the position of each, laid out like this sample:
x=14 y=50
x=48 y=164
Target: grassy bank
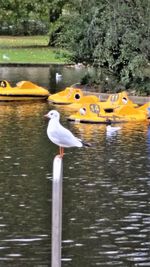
x=31 y=49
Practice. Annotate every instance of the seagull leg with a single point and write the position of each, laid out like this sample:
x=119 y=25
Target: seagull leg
x=61 y=151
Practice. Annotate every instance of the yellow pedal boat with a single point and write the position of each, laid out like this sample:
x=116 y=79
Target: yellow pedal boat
x=117 y=100
x=75 y=98
x=95 y=113
x=114 y=101
x=83 y=100
x=67 y=96
x=24 y=90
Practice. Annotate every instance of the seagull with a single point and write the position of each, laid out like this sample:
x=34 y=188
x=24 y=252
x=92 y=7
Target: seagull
x=5 y=57
x=111 y=129
x=58 y=76
x=59 y=135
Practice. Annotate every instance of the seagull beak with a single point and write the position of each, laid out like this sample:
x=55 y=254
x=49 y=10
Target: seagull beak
x=46 y=116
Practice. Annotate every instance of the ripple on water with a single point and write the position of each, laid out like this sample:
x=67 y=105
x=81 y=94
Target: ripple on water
x=106 y=212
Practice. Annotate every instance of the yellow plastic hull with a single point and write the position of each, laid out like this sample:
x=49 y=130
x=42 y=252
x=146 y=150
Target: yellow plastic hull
x=23 y=91
x=94 y=113
x=117 y=100
x=66 y=97
x=83 y=100
x=104 y=120
x=21 y=97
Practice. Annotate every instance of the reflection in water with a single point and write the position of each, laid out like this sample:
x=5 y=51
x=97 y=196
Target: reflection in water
x=23 y=225
x=108 y=214
x=43 y=76
x=106 y=219
x=148 y=141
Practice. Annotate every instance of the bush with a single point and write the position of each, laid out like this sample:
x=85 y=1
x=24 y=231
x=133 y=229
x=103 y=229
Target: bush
x=25 y=27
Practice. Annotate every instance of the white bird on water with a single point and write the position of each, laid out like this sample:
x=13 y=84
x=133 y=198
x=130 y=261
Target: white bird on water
x=111 y=129
x=59 y=135
x=58 y=76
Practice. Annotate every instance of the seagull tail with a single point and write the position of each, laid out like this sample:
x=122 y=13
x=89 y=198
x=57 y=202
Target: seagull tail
x=86 y=144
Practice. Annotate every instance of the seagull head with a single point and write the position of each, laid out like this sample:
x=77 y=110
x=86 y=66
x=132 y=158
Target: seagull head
x=53 y=114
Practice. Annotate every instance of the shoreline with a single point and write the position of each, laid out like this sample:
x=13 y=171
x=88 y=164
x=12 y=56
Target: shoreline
x=140 y=100
x=47 y=65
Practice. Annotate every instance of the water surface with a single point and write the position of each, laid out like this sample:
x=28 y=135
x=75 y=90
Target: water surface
x=44 y=76
x=106 y=197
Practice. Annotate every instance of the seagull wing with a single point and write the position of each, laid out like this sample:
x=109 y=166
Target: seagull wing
x=61 y=136
x=67 y=139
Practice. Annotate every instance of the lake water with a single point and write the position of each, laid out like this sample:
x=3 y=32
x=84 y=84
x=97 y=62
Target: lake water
x=106 y=187
x=44 y=76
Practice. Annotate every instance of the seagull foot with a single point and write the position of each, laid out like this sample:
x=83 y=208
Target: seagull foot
x=58 y=156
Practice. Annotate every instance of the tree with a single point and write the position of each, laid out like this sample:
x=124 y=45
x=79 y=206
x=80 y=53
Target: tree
x=112 y=34
x=108 y=34
x=20 y=15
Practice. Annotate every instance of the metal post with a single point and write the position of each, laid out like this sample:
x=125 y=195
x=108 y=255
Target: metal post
x=57 y=211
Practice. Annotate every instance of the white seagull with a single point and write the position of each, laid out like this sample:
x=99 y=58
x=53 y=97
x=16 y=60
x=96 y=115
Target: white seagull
x=59 y=135
x=111 y=129
x=5 y=57
x=58 y=76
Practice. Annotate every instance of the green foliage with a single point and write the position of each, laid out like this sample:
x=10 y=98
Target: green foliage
x=23 y=17
x=108 y=34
